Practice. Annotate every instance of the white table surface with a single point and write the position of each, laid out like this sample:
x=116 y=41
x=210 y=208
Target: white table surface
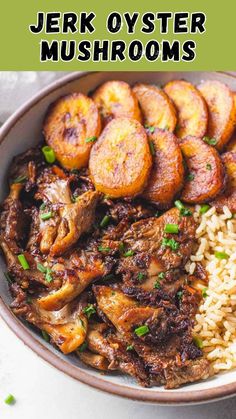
x=40 y=390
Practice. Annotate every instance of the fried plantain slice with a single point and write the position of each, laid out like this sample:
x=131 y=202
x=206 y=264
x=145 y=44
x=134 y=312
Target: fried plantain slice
x=67 y=328
x=157 y=108
x=167 y=175
x=228 y=198
x=120 y=161
x=222 y=111
x=231 y=146
x=206 y=172
x=191 y=108
x=116 y=99
x=96 y=361
x=71 y=125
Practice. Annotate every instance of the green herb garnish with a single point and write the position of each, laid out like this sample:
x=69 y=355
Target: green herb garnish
x=171 y=228
x=89 y=310
x=128 y=253
x=104 y=249
x=172 y=243
x=105 y=221
x=204 y=208
x=221 y=255
x=141 y=276
x=208 y=166
x=204 y=292
x=83 y=347
x=129 y=348
x=210 y=141
x=150 y=128
x=183 y=211
x=23 y=262
x=48 y=275
x=161 y=275
x=157 y=285
x=10 y=399
x=198 y=342
x=46 y=216
x=41 y=268
x=42 y=206
x=8 y=277
x=180 y=295
x=49 y=154
x=45 y=335
x=20 y=179
x=91 y=139
x=152 y=148
x=190 y=177
x=109 y=276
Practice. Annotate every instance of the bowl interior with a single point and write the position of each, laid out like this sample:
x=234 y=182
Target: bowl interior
x=24 y=130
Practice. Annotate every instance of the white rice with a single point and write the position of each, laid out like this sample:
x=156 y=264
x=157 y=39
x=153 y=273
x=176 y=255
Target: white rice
x=216 y=319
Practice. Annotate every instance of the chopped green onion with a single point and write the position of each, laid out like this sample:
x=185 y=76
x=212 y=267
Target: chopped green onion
x=150 y=128
x=183 y=211
x=49 y=154
x=20 y=179
x=107 y=197
x=198 y=342
x=23 y=262
x=128 y=253
x=204 y=208
x=91 y=139
x=190 y=176
x=109 y=276
x=48 y=275
x=171 y=228
x=221 y=255
x=204 y=292
x=89 y=310
x=46 y=336
x=141 y=330
x=152 y=148
x=208 y=166
x=180 y=295
x=141 y=276
x=104 y=249
x=74 y=198
x=211 y=141
x=179 y=205
x=42 y=206
x=157 y=214
x=129 y=348
x=172 y=243
x=157 y=285
x=83 y=347
x=161 y=275
x=105 y=221
x=41 y=268
x=8 y=277
x=46 y=216
x=10 y=399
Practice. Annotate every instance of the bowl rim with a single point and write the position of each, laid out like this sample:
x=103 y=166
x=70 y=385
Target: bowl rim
x=21 y=331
